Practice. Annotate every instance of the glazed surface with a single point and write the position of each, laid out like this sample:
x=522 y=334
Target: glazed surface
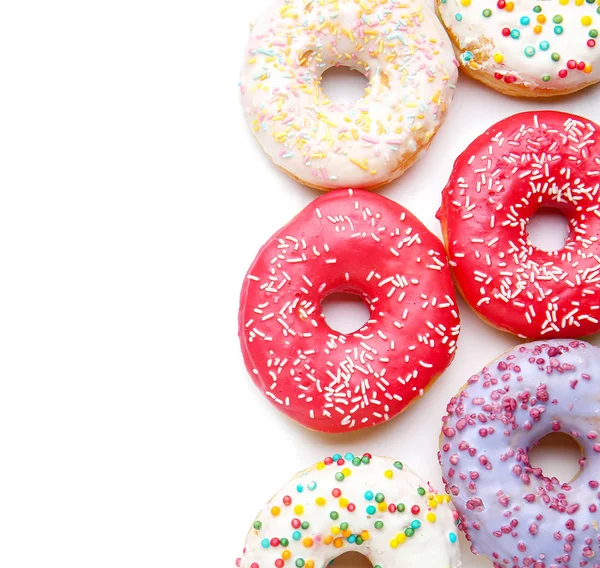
x=540 y=44
x=527 y=161
x=372 y=505
x=362 y=243
x=400 y=47
x=511 y=512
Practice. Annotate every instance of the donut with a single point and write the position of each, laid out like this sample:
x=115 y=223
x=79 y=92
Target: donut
x=372 y=505
x=510 y=511
x=522 y=163
x=402 y=50
x=526 y=48
x=360 y=243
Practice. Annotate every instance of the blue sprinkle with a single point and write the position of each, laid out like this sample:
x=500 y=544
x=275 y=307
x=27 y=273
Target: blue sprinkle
x=515 y=34
x=458 y=17
x=312 y=485
x=296 y=535
x=466 y=56
x=349 y=456
x=265 y=543
x=351 y=539
x=336 y=457
x=525 y=21
x=371 y=510
x=452 y=537
x=544 y=45
x=416 y=524
x=299 y=488
x=369 y=495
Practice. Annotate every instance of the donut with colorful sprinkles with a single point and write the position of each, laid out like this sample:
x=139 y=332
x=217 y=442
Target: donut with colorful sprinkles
x=400 y=47
x=522 y=163
x=526 y=48
x=360 y=243
x=372 y=505
x=510 y=511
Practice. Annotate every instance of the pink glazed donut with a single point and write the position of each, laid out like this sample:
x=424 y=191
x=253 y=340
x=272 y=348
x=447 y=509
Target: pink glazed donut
x=511 y=512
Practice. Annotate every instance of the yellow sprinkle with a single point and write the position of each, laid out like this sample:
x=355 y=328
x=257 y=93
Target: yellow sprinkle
x=431 y=517
x=401 y=537
x=498 y=58
x=365 y=535
x=328 y=539
x=394 y=543
x=446 y=498
x=362 y=167
x=465 y=2
x=439 y=498
x=309 y=564
x=298 y=509
x=510 y=6
x=346 y=533
x=320 y=465
x=432 y=504
x=388 y=473
x=343 y=502
x=307 y=542
x=286 y=555
x=320 y=501
x=346 y=472
x=541 y=19
x=275 y=511
x=587 y=68
x=538 y=29
x=382 y=506
x=338 y=543
x=586 y=20
x=563 y=2
x=335 y=529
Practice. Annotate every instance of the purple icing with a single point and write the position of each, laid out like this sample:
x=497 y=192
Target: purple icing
x=509 y=510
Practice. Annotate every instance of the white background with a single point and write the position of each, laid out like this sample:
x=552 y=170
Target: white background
x=132 y=200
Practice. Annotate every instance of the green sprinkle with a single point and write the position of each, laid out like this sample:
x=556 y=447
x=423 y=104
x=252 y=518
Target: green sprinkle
x=593 y=33
x=339 y=476
x=400 y=507
x=557 y=19
x=378 y=525
x=284 y=542
x=305 y=525
x=344 y=526
x=300 y=562
x=334 y=515
x=487 y=13
x=398 y=465
x=421 y=491
x=356 y=461
x=257 y=525
x=555 y=56
x=537 y=9
x=409 y=531
x=546 y=78
x=380 y=497
x=359 y=540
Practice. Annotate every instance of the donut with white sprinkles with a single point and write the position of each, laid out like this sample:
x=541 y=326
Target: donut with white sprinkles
x=399 y=46
x=360 y=243
x=522 y=163
x=372 y=505
x=510 y=511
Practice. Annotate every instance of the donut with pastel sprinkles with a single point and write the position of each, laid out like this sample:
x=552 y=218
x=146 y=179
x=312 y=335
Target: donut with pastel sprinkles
x=354 y=503
x=510 y=510
x=525 y=162
x=400 y=47
x=360 y=243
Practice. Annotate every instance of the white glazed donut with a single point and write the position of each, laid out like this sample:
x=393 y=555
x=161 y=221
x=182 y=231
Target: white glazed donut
x=402 y=49
x=526 y=47
x=372 y=505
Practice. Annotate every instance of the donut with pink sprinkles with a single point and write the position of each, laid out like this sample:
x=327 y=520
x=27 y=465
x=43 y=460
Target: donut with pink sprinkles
x=510 y=511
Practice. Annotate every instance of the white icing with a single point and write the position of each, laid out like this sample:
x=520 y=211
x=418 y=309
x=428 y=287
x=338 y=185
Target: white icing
x=482 y=37
x=399 y=46
x=431 y=545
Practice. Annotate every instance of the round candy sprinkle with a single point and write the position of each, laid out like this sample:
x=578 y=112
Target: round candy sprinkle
x=380 y=497
x=398 y=465
x=421 y=491
x=409 y=531
x=452 y=536
x=530 y=51
x=416 y=524
x=401 y=507
x=257 y=525
x=544 y=45
x=369 y=495
x=487 y=13
x=524 y=21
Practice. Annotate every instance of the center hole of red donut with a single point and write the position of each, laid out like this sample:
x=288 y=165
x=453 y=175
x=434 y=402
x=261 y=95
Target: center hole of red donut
x=343 y=85
x=345 y=312
x=352 y=560
x=557 y=455
x=548 y=229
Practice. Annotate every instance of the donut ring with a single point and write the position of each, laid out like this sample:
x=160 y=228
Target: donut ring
x=526 y=48
x=511 y=512
x=400 y=47
x=520 y=164
x=372 y=505
x=360 y=243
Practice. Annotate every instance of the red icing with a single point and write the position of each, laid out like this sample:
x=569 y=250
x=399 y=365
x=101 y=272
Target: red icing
x=522 y=163
x=362 y=243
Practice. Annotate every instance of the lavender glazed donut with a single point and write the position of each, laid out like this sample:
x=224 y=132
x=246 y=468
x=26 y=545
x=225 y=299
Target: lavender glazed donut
x=510 y=511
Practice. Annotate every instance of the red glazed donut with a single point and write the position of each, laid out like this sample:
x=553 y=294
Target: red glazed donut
x=361 y=243
x=522 y=163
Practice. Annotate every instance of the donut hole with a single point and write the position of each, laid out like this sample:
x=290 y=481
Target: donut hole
x=351 y=560
x=343 y=85
x=548 y=229
x=557 y=455
x=345 y=312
